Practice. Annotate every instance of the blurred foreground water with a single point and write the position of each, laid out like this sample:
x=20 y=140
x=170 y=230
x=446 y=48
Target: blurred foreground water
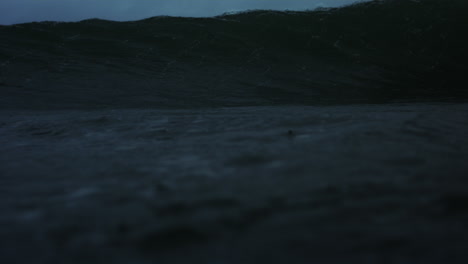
x=334 y=184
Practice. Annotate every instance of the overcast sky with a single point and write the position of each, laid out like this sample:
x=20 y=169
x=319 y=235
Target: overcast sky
x=19 y=11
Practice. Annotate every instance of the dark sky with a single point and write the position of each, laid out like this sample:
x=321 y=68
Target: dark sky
x=18 y=11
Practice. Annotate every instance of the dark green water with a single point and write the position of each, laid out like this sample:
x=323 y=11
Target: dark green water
x=382 y=51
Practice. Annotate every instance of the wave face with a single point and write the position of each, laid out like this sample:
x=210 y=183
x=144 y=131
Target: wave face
x=374 y=52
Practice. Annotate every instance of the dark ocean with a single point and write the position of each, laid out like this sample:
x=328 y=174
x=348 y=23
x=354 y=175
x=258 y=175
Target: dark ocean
x=329 y=136
x=377 y=52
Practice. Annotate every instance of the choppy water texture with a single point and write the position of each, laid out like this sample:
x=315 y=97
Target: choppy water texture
x=333 y=136
x=382 y=51
x=336 y=184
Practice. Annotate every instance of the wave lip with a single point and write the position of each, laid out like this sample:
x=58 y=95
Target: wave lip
x=373 y=52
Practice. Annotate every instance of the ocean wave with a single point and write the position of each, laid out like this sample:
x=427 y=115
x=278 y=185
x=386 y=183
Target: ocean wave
x=373 y=52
